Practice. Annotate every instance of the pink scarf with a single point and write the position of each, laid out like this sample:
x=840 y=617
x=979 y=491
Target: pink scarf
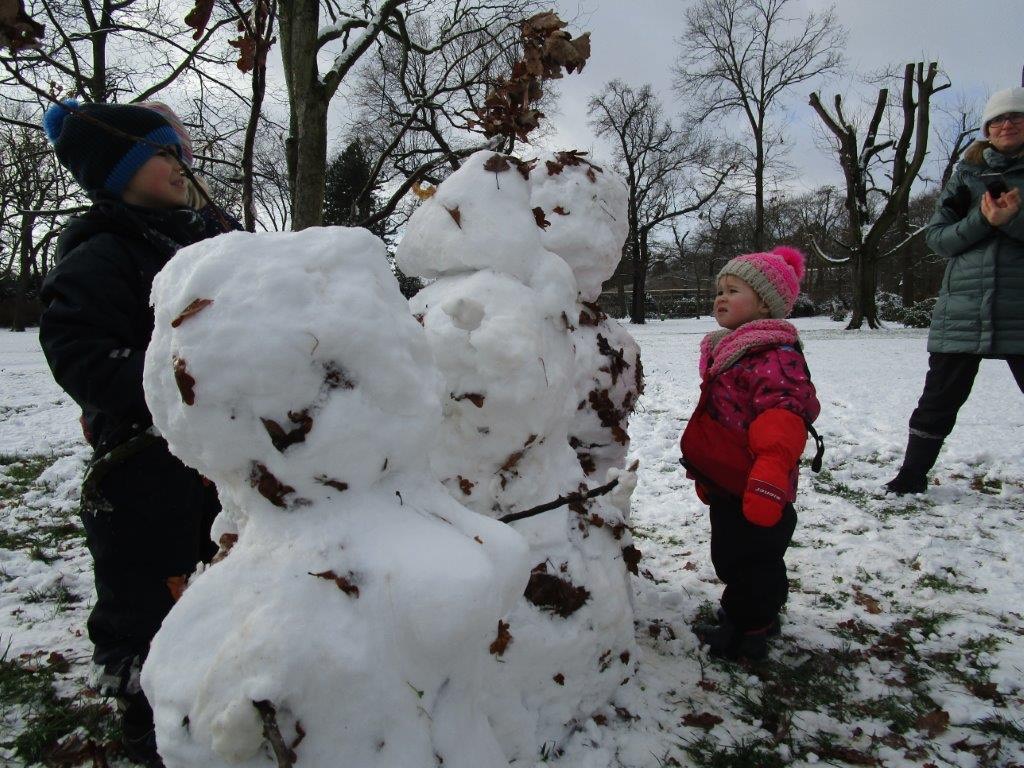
x=720 y=349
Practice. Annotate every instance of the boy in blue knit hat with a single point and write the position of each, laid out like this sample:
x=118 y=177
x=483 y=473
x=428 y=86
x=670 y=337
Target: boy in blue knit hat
x=146 y=515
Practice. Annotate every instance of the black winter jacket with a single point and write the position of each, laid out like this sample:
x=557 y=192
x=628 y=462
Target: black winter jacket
x=98 y=322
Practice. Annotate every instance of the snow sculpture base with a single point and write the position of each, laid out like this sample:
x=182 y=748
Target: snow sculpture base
x=351 y=619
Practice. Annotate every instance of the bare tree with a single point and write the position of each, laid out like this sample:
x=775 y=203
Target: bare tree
x=742 y=56
x=869 y=225
x=34 y=192
x=113 y=50
x=418 y=115
x=668 y=172
x=354 y=34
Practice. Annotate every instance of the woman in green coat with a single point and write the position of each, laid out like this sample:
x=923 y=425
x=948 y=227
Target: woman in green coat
x=980 y=309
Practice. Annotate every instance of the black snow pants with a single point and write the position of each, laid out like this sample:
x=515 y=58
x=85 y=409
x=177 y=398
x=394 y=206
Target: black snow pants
x=749 y=560
x=147 y=518
x=946 y=388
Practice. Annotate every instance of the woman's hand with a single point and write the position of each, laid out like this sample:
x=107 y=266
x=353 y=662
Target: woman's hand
x=999 y=210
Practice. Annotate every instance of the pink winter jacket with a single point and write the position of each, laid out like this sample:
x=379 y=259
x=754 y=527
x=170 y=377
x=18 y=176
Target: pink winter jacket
x=753 y=369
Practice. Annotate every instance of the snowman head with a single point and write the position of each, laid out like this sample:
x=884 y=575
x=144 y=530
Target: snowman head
x=286 y=366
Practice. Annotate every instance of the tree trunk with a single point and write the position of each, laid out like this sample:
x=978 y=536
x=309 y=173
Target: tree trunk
x=865 y=280
x=759 y=191
x=638 y=313
x=264 y=39
x=307 y=117
x=18 y=320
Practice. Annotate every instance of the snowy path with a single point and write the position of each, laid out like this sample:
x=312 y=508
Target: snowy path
x=903 y=642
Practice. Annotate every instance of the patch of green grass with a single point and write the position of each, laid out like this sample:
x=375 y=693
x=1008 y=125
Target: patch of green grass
x=653 y=534
x=50 y=725
x=58 y=594
x=943 y=584
x=899 y=714
x=41 y=541
x=813 y=679
x=746 y=753
x=989 y=485
x=1000 y=726
x=19 y=473
x=834 y=602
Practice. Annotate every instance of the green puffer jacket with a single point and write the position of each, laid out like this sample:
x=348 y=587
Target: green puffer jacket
x=980 y=308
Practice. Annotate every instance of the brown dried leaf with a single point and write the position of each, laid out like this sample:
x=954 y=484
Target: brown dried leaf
x=497 y=164
x=523 y=166
x=559 y=678
x=560 y=210
x=186 y=384
x=297 y=434
x=332 y=483
x=465 y=485
x=474 y=397
x=553 y=593
x=269 y=487
x=704 y=720
x=191 y=310
x=199 y=17
x=553 y=168
x=456 y=215
x=869 y=603
x=503 y=640
x=247 y=47
x=424 y=192
x=538 y=216
x=511 y=461
x=933 y=723
x=631 y=556
x=848 y=755
x=336 y=378
x=617 y=358
x=224 y=543
x=344 y=583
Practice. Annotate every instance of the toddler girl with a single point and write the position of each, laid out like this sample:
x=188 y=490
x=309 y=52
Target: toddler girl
x=743 y=443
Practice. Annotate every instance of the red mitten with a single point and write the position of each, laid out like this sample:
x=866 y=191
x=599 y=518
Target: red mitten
x=777 y=438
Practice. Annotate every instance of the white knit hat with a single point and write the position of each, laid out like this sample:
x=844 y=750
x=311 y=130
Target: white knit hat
x=999 y=103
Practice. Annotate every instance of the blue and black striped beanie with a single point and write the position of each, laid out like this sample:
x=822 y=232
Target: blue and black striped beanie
x=101 y=160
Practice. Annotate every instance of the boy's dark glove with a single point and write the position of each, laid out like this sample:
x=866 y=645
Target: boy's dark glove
x=777 y=438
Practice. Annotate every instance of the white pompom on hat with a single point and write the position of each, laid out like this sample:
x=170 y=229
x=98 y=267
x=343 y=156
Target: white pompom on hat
x=999 y=103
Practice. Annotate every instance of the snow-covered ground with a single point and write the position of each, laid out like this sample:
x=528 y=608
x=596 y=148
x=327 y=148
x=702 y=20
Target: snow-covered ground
x=903 y=641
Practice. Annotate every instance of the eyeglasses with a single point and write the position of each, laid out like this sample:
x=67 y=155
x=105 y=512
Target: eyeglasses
x=1015 y=118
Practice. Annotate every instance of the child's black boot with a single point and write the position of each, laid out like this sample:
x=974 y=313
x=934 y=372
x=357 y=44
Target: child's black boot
x=726 y=641
x=120 y=680
x=138 y=735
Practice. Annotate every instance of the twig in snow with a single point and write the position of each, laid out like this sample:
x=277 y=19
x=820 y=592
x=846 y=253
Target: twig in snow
x=561 y=501
x=284 y=755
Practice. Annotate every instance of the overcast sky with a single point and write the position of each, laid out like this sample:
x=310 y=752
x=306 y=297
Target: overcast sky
x=979 y=44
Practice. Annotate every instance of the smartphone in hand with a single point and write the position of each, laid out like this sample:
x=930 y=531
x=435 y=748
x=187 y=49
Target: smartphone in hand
x=994 y=183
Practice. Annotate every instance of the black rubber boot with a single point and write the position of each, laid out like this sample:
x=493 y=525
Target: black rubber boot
x=726 y=641
x=139 y=738
x=703 y=628
x=920 y=457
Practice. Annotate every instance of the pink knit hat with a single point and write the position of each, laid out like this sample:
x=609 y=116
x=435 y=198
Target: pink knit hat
x=775 y=276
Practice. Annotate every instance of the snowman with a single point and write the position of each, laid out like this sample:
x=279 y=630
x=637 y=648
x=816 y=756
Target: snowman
x=351 y=617
x=507 y=244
